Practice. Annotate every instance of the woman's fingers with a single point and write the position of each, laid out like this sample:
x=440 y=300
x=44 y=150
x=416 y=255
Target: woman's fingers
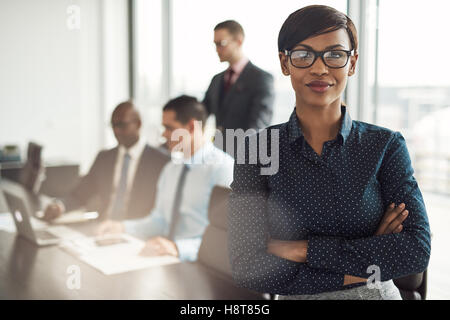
x=396 y=222
x=386 y=219
x=399 y=229
x=390 y=215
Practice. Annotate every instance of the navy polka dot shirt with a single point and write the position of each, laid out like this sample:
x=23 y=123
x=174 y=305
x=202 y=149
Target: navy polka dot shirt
x=335 y=201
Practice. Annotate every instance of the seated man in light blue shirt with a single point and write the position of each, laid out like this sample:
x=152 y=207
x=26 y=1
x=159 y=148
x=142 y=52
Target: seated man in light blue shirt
x=175 y=227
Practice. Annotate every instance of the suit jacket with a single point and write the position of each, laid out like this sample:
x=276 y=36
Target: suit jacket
x=99 y=182
x=248 y=103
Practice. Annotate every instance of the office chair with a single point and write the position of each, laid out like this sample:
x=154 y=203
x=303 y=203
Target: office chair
x=413 y=287
x=213 y=252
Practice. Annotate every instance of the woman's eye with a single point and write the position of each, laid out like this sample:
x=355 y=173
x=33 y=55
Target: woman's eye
x=302 y=55
x=335 y=54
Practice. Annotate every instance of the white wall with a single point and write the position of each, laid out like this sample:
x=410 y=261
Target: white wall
x=58 y=85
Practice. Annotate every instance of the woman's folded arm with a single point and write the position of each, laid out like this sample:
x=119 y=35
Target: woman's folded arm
x=395 y=255
x=254 y=268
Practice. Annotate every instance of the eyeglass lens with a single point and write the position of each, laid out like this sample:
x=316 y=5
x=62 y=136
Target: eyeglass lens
x=333 y=58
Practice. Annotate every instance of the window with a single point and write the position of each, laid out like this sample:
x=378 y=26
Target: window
x=189 y=59
x=195 y=60
x=149 y=65
x=411 y=94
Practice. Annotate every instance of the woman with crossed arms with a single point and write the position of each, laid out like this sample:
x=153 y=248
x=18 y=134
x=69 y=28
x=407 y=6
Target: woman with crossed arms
x=344 y=202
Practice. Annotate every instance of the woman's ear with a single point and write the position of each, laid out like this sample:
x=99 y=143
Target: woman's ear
x=352 y=69
x=284 y=61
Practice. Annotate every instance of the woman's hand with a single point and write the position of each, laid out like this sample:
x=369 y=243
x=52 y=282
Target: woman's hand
x=392 y=220
x=352 y=280
x=290 y=250
x=296 y=250
x=391 y=223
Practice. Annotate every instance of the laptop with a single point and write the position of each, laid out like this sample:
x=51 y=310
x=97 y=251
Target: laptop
x=19 y=209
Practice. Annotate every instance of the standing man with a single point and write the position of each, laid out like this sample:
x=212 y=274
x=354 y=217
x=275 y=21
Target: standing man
x=242 y=96
x=123 y=178
x=180 y=217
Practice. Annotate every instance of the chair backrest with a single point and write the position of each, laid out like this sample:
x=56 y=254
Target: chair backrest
x=213 y=250
x=413 y=287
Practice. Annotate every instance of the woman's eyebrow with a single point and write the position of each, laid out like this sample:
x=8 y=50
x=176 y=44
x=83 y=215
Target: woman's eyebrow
x=327 y=48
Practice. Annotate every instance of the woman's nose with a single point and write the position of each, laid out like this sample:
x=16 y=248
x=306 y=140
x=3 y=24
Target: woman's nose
x=319 y=67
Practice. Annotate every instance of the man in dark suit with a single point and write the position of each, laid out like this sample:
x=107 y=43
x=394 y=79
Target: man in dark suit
x=123 y=178
x=242 y=96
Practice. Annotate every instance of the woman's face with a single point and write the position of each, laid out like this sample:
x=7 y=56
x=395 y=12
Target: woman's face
x=320 y=85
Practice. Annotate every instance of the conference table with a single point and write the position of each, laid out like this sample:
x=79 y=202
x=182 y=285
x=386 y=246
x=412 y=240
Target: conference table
x=31 y=272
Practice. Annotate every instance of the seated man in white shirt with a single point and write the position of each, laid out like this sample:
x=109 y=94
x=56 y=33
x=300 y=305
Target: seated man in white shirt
x=180 y=216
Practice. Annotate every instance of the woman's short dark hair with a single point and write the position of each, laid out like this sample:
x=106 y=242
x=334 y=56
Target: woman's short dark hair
x=233 y=27
x=187 y=108
x=312 y=21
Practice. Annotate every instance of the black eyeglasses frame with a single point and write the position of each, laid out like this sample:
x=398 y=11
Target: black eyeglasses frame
x=318 y=54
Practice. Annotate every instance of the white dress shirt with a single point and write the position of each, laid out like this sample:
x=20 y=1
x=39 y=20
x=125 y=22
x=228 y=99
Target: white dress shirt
x=208 y=167
x=238 y=67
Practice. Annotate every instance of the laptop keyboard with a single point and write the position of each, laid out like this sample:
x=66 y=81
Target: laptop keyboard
x=44 y=235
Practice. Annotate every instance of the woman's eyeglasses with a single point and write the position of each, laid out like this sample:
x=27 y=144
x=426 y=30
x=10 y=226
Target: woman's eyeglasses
x=334 y=59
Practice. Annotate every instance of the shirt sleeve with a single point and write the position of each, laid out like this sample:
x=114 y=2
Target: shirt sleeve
x=188 y=248
x=223 y=172
x=207 y=99
x=261 y=105
x=86 y=188
x=396 y=255
x=252 y=267
x=150 y=226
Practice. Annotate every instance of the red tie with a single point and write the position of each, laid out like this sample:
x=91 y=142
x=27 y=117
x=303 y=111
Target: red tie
x=227 y=86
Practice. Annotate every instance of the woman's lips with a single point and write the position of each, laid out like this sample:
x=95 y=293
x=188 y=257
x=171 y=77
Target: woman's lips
x=319 y=86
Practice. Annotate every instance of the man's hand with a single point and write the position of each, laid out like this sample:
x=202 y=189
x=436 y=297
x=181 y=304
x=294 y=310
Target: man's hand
x=53 y=211
x=110 y=227
x=392 y=220
x=159 y=246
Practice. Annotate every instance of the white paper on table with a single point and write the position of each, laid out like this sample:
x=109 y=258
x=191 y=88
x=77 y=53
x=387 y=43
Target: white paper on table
x=115 y=258
x=75 y=216
x=64 y=233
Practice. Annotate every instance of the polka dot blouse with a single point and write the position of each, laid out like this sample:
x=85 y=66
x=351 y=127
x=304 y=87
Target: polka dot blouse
x=335 y=201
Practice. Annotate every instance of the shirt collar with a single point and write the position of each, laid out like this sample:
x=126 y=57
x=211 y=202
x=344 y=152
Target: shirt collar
x=239 y=66
x=198 y=156
x=295 y=131
x=346 y=125
x=135 y=150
